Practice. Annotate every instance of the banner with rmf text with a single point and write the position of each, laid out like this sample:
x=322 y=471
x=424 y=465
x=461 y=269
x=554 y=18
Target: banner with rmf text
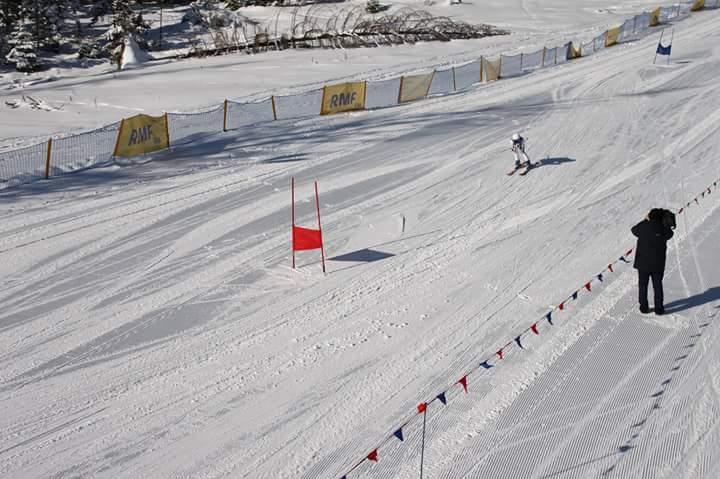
x=343 y=97
x=142 y=134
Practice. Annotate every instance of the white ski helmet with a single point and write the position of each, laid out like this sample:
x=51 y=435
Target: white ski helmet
x=516 y=137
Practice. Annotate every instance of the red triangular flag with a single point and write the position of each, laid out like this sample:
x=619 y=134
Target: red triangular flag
x=681 y=210
x=463 y=381
x=306 y=238
x=629 y=252
x=534 y=329
x=587 y=286
x=499 y=353
x=562 y=306
x=422 y=407
x=610 y=268
x=373 y=456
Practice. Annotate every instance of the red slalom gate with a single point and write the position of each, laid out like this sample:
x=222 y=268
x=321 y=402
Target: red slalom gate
x=306 y=238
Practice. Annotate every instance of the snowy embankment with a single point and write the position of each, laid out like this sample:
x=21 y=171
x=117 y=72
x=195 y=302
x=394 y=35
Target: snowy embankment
x=151 y=326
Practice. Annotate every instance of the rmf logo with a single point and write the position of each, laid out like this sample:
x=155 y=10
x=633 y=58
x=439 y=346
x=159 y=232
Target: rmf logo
x=343 y=99
x=140 y=135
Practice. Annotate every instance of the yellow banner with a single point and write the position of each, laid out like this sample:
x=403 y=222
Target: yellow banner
x=490 y=69
x=655 y=17
x=612 y=35
x=343 y=97
x=142 y=134
x=698 y=5
x=575 y=51
x=415 y=87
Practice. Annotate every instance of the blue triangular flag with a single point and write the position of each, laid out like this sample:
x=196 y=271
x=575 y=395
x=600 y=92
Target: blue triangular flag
x=574 y=295
x=622 y=258
x=442 y=398
x=549 y=317
x=600 y=277
x=398 y=434
x=517 y=340
x=485 y=365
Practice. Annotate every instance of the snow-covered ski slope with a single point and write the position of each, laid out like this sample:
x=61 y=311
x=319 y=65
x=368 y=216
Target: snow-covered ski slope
x=151 y=326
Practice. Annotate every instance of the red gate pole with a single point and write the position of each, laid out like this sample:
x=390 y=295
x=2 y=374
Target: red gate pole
x=322 y=243
x=292 y=230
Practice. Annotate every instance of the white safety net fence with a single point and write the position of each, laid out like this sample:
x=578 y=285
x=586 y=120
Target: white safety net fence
x=510 y=65
x=550 y=57
x=301 y=105
x=532 y=61
x=599 y=42
x=186 y=127
x=383 y=93
x=23 y=165
x=642 y=23
x=467 y=75
x=84 y=150
x=242 y=114
x=627 y=31
x=442 y=82
x=562 y=53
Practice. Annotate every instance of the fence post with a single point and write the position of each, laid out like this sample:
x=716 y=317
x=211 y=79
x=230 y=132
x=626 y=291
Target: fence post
x=402 y=79
x=454 y=82
x=272 y=98
x=47 y=159
x=225 y=114
x=481 y=69
x=167 y=128
x=542 y=61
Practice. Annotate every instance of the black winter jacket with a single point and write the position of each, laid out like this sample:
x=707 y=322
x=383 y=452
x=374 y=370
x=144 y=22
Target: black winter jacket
x=651 y=245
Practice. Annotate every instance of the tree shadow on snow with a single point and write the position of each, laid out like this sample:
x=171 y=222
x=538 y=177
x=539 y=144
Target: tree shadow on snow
x=710 y=295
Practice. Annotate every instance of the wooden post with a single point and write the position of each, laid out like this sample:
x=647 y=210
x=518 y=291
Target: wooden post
x=454 y=82
x=167 y=128
x=225 y=115
x=47 y=159
x=322 y=243
x=117 y=140
x=273 y=107
x=402 y=78
x=481 y=69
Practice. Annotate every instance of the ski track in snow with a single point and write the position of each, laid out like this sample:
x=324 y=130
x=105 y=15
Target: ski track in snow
x=151 y=325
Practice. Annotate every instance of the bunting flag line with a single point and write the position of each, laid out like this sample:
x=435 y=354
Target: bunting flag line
x=422 y=407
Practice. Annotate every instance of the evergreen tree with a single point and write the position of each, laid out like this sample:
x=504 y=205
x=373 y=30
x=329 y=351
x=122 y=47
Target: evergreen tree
x=125 y=23
x=23 y=53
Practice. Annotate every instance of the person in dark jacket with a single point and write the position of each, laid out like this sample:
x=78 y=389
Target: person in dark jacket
x=653 y=234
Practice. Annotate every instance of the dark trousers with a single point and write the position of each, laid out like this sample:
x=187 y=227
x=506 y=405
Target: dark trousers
x=643 y=279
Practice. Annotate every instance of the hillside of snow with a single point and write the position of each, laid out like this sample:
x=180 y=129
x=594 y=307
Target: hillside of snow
x=151 y=325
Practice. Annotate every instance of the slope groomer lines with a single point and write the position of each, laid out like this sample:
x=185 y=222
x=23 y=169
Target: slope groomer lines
x=190 y=348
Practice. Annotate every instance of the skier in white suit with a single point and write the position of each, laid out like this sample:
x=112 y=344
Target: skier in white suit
x=518 y=149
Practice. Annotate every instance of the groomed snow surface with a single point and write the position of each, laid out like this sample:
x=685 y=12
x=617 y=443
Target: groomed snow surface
x=151 y=325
